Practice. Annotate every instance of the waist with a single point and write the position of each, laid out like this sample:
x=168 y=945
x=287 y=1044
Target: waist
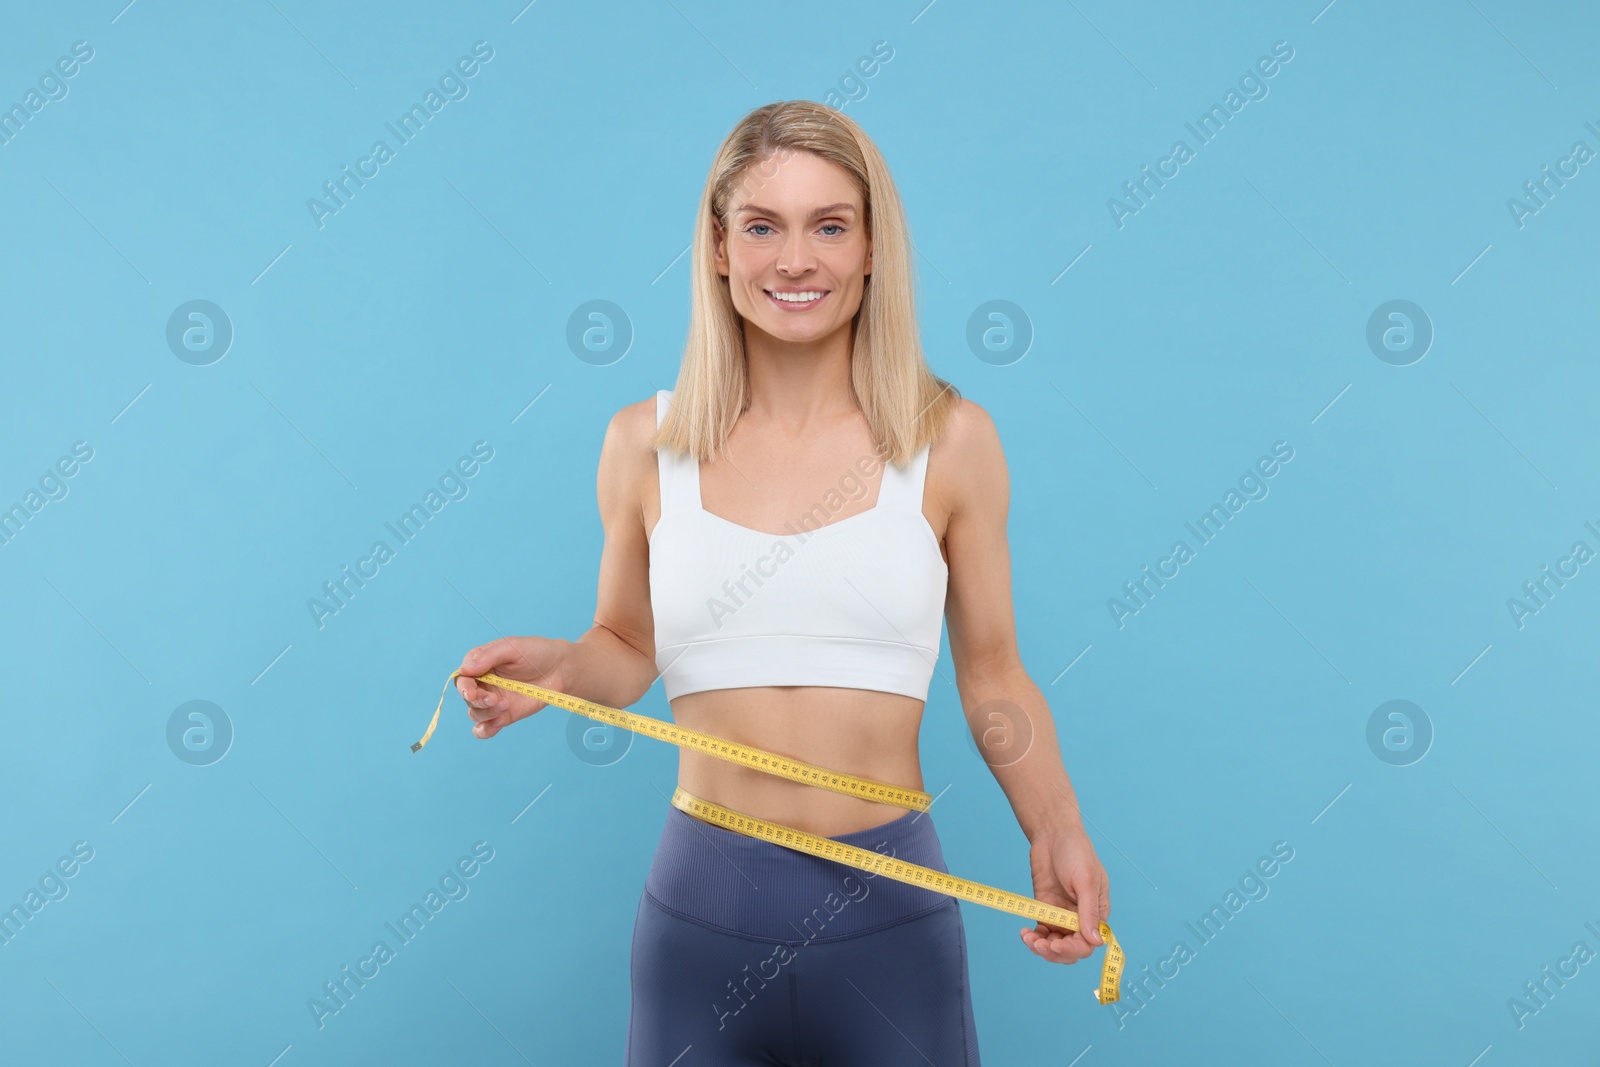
x=756 y=889
x=871 y=735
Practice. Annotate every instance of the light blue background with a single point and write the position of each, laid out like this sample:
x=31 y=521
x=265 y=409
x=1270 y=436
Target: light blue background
x=1229 y=313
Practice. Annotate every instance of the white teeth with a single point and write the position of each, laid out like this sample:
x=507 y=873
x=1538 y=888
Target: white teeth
x=797 y=298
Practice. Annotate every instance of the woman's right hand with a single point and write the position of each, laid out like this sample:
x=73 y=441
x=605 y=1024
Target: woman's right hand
x=541 y=661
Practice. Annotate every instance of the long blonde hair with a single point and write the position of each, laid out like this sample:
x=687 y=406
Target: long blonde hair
x=906 y=405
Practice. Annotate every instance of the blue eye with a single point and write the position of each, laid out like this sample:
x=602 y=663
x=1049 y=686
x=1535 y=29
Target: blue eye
x=754 y=226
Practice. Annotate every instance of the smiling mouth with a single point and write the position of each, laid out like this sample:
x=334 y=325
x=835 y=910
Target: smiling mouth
x=797 y=301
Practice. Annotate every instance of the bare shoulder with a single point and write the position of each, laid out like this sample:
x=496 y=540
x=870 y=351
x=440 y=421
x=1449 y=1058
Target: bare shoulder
x=627 y=462
x=972 y=462
x=966 y=474
x=969 y=426
x=633 y=425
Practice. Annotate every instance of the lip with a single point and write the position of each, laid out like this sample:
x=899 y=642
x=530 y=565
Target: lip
x=790 y=305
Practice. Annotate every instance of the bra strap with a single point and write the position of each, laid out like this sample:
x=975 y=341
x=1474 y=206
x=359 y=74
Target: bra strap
x=679 y=475
x=902 y=489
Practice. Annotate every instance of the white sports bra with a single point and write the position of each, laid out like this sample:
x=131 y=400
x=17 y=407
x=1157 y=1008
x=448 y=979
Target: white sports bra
x=857 y=602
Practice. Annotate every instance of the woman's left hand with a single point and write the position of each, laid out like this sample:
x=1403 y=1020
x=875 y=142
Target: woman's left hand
x=1067 y=873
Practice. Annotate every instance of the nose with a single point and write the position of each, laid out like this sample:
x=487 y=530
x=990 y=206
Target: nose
x=795 y=256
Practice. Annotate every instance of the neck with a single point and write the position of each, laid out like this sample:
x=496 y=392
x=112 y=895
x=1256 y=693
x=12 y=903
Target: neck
x=796 y=384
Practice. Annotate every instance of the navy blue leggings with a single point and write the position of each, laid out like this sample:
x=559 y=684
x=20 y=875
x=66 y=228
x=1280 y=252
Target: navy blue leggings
x=745 y=952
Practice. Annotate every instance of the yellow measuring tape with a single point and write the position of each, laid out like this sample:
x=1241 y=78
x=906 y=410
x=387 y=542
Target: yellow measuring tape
x=826 y=848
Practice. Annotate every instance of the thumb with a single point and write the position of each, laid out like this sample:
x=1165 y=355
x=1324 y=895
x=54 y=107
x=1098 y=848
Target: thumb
x=1088 y=897
x=485 y=659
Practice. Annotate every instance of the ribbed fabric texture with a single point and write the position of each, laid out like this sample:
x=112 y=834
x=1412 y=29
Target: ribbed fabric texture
x=856 y=602
x=754 y=888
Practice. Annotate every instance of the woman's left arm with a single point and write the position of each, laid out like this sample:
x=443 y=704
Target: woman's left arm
x=1005 y=710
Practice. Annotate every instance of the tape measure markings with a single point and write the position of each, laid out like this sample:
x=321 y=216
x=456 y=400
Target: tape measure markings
x=800 y=840
x=710 y=745
x=899 y=870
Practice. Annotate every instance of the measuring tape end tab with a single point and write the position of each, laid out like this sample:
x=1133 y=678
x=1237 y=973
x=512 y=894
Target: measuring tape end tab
x=434 y=722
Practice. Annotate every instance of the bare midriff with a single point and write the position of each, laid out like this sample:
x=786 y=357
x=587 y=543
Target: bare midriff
x=862 y=732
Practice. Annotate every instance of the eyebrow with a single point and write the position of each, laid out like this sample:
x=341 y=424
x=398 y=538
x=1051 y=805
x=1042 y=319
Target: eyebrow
x=831 y=209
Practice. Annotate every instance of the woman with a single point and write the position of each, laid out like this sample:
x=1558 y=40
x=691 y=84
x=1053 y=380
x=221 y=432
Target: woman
x=781 y=530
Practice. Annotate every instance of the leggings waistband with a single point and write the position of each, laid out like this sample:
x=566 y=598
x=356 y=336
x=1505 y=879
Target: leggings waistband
x=754 y=888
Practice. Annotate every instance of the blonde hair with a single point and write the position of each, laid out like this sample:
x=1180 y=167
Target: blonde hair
x=906 y=405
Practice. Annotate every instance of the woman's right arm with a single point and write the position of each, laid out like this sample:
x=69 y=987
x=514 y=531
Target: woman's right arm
x=613 y=663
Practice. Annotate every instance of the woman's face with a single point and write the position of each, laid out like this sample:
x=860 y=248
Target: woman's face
x=795 y=226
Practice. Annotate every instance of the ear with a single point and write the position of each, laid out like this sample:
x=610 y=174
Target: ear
x=719 y=249
x=867 y=270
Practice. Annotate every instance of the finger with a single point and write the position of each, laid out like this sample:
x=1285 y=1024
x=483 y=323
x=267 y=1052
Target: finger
x=483 y=713
x=1088 y=891
x=487 y=703
x=498 y=657
x=489 y=727
x=485 y=658
x=1055 y=949
x=1069 y=948
x=1074 y=942
x=482 y=701
x=1056 y=946
x=1074 y=950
